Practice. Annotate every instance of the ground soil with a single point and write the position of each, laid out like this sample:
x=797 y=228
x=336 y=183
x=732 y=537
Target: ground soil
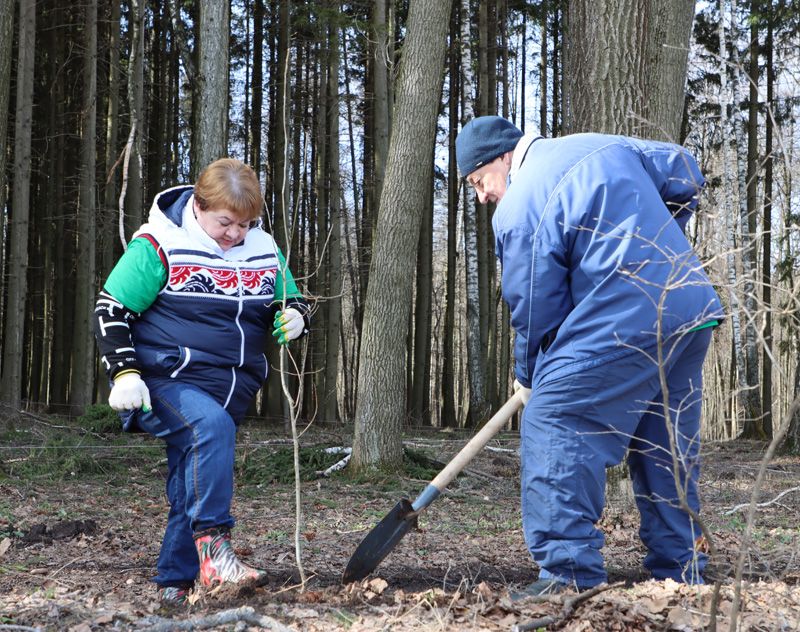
x=77 y=552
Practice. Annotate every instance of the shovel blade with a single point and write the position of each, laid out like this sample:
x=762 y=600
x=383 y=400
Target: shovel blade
x=380 y=541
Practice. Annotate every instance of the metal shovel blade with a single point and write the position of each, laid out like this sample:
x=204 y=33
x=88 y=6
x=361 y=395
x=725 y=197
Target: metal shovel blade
x=380 y=541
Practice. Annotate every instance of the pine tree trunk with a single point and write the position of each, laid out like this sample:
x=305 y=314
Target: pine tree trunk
x=20 y=210
x=381 y=398
x=256 y=118
x=334 y=322
x=132 y=179
x=6 y=52
x=543 y=69
x=110 y=191
x=83 y=357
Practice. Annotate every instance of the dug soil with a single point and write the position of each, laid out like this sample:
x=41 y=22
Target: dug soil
x=78 y=548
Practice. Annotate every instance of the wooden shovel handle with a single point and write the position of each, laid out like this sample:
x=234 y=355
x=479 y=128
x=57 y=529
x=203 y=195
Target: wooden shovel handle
x=477 y=443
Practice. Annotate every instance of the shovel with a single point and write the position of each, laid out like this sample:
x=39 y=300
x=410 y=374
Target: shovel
x=388 y=532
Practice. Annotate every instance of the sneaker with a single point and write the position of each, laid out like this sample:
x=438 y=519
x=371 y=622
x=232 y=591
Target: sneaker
x=174 y=596
x=540 y=588
x=218 y=562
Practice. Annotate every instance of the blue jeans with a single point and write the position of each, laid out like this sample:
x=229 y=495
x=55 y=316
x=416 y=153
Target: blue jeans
x=577 y=425
x=200 y=439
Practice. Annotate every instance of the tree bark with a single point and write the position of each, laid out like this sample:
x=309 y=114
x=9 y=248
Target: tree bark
x=83 y=342
x=381 y=398
x=449 y=348
x=476 y=367
x=766 y=262
x=334 y=321
x=20 y=209
x=132 y=177
x=256 y=117
x=110 y=191
x=625 y=59
x=421 y=381
x=210 y=138
x=6 y=53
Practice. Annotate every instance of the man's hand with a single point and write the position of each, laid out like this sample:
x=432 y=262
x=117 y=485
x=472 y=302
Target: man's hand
x=526 y=392
x=289 y=324
x=129 y=392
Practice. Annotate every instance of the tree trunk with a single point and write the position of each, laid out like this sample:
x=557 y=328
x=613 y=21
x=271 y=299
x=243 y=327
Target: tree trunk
x=543 y=68
x=132 y=178
x=766 y=262
x=83 y=357
x=20 y=209
x=381 y=398
x=210 y=137
x=256 y=118
x=421 y=381
x=449 y=347
x=6 y=53
x=476 y=368
x=625 y=59
x=110 y=191
x=334 y=321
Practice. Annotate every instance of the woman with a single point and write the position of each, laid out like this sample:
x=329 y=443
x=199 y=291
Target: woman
x=182 y=324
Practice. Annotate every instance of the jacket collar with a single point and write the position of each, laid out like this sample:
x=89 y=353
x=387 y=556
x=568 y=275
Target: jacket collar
x=520 y=153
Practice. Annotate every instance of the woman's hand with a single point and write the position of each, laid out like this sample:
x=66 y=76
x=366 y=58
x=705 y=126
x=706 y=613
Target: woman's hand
x=129 y=392
x=289 y=324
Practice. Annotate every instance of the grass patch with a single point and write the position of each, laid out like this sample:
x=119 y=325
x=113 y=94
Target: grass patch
x=69 y=456
x=277 y=466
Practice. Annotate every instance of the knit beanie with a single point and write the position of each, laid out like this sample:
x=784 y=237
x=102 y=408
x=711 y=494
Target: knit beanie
x=482 y=140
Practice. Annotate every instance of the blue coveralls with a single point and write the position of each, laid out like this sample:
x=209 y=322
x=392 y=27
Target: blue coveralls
x=601 y=282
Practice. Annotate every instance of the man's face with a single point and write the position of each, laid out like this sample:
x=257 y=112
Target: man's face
x=490 y=180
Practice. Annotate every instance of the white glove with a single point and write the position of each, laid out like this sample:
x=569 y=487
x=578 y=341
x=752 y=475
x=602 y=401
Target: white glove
x=526 y=392
x=289 y=324
x=129 y=392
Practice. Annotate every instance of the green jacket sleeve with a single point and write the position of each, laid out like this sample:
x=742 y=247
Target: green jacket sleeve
x=285 y=287
x=138 y=277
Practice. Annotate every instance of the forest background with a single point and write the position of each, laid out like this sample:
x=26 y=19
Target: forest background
x=350 y=126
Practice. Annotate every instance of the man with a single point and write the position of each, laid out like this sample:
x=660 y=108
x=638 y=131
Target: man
x=608 y=302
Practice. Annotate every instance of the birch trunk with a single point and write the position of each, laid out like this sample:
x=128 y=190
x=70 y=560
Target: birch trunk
x=476 y=368
x=728 y=184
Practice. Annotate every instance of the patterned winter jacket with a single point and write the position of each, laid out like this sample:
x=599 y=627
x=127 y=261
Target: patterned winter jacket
x=211 y=319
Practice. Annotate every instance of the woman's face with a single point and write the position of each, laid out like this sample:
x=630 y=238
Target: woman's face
x=223 y=226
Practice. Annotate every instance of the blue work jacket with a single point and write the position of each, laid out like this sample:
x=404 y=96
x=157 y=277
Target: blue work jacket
x=594 y=258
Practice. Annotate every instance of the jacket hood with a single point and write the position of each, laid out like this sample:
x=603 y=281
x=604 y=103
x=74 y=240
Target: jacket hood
x=168 y=205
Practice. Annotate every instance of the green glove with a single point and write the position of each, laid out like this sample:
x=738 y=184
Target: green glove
x=289 y=324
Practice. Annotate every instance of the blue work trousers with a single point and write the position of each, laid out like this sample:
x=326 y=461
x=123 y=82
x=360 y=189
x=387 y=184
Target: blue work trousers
x=200 y=440
x=579 y=422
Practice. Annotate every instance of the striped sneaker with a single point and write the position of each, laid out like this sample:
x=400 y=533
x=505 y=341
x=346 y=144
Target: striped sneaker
x=218 y=562
x=174 y=596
